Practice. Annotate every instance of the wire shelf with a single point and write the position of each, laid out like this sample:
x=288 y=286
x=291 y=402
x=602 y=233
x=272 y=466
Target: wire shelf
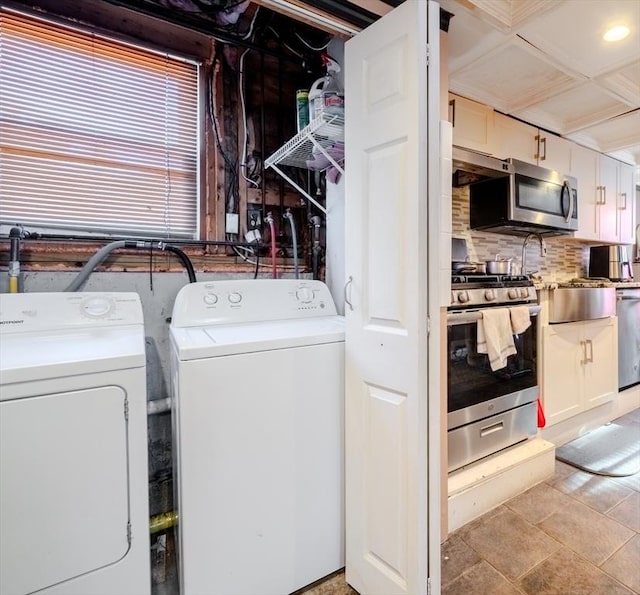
x=306 y=149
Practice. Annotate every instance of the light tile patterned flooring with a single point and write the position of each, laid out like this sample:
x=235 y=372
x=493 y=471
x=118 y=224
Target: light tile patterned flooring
x=574 y=534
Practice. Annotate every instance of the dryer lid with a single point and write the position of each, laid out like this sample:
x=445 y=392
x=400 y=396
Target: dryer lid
x=30 y=356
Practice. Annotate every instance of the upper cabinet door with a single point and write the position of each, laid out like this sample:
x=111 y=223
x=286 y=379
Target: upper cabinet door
x=607 y=190
x=515 y=139
x=626 y=205
x=472 y=124
x=518 y=140
x=391 y=141
x=584 y=167
x=554 y=152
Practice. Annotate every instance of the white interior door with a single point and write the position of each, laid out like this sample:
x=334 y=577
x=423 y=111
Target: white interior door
x=392 y=115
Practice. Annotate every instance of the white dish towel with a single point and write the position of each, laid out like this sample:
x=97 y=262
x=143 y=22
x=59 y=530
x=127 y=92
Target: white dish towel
x=495 y=336
x=520 y=320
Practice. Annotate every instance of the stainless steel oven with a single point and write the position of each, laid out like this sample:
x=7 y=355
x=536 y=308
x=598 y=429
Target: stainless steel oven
x=488 y=410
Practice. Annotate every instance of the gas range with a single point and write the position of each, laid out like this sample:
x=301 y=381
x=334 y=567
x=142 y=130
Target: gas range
x=474 y=290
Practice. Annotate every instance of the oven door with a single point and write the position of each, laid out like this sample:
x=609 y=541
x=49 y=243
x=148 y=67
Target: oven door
x=475 y=391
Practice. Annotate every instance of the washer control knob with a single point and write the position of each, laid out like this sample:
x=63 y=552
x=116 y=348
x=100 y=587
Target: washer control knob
x=304 y=295
x=234 y=297
x=489 y=295
x=97 y=306
x=210 y=298
x=463 y=297
x=513 y=294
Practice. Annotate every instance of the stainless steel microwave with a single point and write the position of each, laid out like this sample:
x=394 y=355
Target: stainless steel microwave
x=529 y=199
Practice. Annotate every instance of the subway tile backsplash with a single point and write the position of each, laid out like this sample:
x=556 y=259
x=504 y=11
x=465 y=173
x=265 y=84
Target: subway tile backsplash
x=565 y=259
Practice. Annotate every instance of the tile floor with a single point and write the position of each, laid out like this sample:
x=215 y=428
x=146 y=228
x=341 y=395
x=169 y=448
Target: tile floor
x=574 y=534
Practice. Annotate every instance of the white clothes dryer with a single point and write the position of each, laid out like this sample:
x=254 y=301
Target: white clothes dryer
x=74 y=512
x=258 y=384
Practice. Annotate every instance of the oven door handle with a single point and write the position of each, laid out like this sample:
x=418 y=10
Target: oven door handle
x=466 y=317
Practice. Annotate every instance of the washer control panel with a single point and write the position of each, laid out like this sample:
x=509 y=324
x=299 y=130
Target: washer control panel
x=243 y=300
x=21 y=312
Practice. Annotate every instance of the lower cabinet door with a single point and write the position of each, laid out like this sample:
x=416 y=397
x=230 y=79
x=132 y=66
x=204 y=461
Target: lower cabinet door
x=601 y=369
x=562 y=373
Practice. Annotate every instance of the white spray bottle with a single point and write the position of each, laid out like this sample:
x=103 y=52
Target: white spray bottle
x=326 y=94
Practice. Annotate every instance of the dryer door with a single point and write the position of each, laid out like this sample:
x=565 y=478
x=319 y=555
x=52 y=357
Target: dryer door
x=64 y=505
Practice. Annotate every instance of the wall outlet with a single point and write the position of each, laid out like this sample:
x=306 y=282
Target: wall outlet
x=254 y=217
x=232 y=223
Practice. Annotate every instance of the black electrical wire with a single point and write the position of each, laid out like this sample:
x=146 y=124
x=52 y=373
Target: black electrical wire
x=151 y=267
x=186 y=261
x=255 y=272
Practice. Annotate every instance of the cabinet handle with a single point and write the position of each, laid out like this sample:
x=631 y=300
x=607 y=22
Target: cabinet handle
x=347 y=293
x=537 y=139
x=590 y=345
x=543 y=141
x=604 y=195
x=452 y=105
x=584 y=361
x=625 y=201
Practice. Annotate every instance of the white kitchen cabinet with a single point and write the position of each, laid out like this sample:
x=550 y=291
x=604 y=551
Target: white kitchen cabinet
x=606 y=209
x=519 y=140
x=584 y=167
x=472 y=124
x=626 y=204
x=607 y=194
x=579 y=367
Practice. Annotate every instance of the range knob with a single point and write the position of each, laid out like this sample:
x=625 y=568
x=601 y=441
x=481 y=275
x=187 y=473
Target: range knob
x=234 y=297
x=463 y=297
x=524 y=292
x=489 y=295
x=210 y=299
x=513 y=294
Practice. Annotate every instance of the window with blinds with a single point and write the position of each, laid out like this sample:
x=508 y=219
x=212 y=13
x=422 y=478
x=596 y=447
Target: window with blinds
x=96 y=135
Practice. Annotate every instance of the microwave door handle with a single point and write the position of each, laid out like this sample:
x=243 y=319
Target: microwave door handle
x=567 y=185
x=566 y=215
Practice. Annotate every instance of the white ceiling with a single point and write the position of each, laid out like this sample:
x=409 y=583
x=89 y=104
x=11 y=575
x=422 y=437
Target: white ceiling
x=545 y=62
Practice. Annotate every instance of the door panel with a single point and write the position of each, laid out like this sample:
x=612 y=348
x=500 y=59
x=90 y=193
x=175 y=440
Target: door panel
x=64 y=502
x=601 y=372
x=562 y=372
x=388 y=139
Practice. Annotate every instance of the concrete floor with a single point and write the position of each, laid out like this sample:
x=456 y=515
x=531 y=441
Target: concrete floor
x=574 y=534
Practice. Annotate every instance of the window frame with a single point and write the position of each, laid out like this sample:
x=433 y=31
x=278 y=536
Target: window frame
x=197 y=60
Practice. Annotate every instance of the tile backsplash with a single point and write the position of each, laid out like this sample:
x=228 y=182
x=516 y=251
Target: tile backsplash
x=565 y=258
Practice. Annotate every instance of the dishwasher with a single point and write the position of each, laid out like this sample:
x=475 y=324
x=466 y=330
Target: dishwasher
x=628 y=313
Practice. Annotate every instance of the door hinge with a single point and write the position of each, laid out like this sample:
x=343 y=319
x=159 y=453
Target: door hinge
x=126 y=409
x=129 y=533
x=428 y=326
x=428 y=55
x=428 y=586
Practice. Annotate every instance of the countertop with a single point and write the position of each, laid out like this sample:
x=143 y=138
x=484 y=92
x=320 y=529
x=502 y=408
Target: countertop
x=540 y=284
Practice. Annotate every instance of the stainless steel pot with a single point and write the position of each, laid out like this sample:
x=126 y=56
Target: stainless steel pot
x=466 y=266
x=499 y=266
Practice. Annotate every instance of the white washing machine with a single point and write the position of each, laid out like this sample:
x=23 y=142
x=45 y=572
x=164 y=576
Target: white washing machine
x=258 y=380
x=74 y=513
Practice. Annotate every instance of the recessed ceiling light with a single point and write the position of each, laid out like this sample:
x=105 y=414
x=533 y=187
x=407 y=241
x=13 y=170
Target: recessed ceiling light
x=616 y=33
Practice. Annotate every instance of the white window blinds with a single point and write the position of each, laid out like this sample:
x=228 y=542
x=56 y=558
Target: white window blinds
x=95 y=135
